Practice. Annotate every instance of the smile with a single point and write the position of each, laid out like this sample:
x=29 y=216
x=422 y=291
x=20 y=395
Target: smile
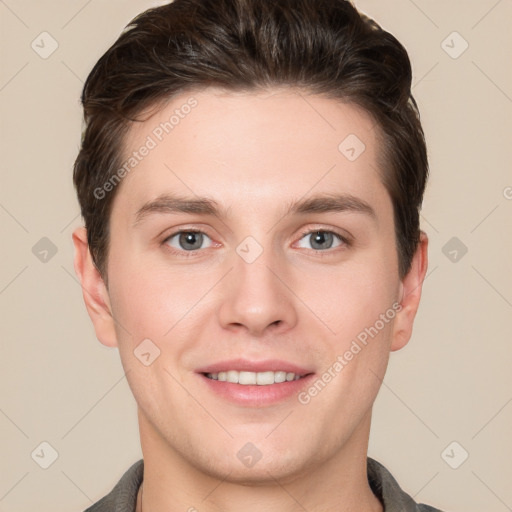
x=245 y=378
x=250 y=383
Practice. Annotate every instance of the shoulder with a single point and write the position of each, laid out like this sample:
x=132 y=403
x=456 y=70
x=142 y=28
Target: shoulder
x=386 y=488
x=123 y=496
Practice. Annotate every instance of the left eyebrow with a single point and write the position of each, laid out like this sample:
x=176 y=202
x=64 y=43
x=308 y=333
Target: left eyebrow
x=331 y=203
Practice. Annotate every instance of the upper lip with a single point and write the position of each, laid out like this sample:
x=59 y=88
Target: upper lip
x=244 y=365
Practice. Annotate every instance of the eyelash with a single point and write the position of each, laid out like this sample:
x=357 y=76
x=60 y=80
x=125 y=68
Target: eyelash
x=187 y=254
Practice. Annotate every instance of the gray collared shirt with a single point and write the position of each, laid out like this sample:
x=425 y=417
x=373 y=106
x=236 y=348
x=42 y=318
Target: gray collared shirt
x=123 y=497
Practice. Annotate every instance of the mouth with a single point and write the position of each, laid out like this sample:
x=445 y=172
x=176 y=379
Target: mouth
x=265 y=378
x=255 y=383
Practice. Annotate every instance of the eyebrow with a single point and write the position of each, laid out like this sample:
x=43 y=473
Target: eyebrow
x=170 y=203
x=325 y=203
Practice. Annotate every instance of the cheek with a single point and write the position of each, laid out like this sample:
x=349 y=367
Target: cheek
x=351 y=297
x=361 y=311
x=364 y=306
x=155 y=320
x=152 y=299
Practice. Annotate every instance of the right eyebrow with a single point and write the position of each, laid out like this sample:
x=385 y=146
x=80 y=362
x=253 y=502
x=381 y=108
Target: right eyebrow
x=170 y=203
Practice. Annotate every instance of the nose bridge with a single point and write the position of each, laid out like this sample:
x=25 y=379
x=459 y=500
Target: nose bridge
x=255 y=297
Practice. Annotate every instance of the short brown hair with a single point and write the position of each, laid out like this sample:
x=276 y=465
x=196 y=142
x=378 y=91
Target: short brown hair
x=324 y=47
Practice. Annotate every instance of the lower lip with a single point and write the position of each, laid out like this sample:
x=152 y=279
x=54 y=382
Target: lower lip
x=254 y=395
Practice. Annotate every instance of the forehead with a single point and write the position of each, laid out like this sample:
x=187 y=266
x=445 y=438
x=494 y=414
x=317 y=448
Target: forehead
x=253 y=148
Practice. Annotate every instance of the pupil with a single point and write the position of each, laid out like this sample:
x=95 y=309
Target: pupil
x=194 y=239
x=320 y=238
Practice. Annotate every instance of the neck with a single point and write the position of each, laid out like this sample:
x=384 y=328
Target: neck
x=172 y=483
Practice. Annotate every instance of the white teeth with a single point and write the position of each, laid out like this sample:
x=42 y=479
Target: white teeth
x=247 y=378
x=265 y=378
x=253 y=378
x=279 y=376
x=232 y=376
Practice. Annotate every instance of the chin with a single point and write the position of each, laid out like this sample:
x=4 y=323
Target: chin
x=254 y=464
x=261 y=474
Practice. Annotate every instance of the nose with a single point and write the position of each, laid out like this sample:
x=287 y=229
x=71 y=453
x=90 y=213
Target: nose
x=256 y=298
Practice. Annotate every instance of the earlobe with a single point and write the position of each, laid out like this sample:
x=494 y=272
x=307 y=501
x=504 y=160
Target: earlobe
x=410 y=294
x=94 y=291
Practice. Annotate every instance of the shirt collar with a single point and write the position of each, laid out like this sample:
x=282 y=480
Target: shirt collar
x=123 y=497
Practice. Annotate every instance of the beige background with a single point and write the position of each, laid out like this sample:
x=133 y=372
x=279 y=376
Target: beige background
x=451 y=383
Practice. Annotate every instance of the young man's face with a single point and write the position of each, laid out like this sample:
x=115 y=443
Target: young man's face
x=255 y=292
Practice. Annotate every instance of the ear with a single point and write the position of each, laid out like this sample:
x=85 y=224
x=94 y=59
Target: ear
x=410 y=292
x=94 y=290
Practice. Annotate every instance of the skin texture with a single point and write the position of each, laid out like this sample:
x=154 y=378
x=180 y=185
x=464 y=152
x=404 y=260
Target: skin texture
x=253 y=153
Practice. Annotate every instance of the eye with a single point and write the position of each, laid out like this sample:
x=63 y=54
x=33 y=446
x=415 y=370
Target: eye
x=188 y=240
x=321 y=240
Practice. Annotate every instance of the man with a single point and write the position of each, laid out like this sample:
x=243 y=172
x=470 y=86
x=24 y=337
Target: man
x=250 y=177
